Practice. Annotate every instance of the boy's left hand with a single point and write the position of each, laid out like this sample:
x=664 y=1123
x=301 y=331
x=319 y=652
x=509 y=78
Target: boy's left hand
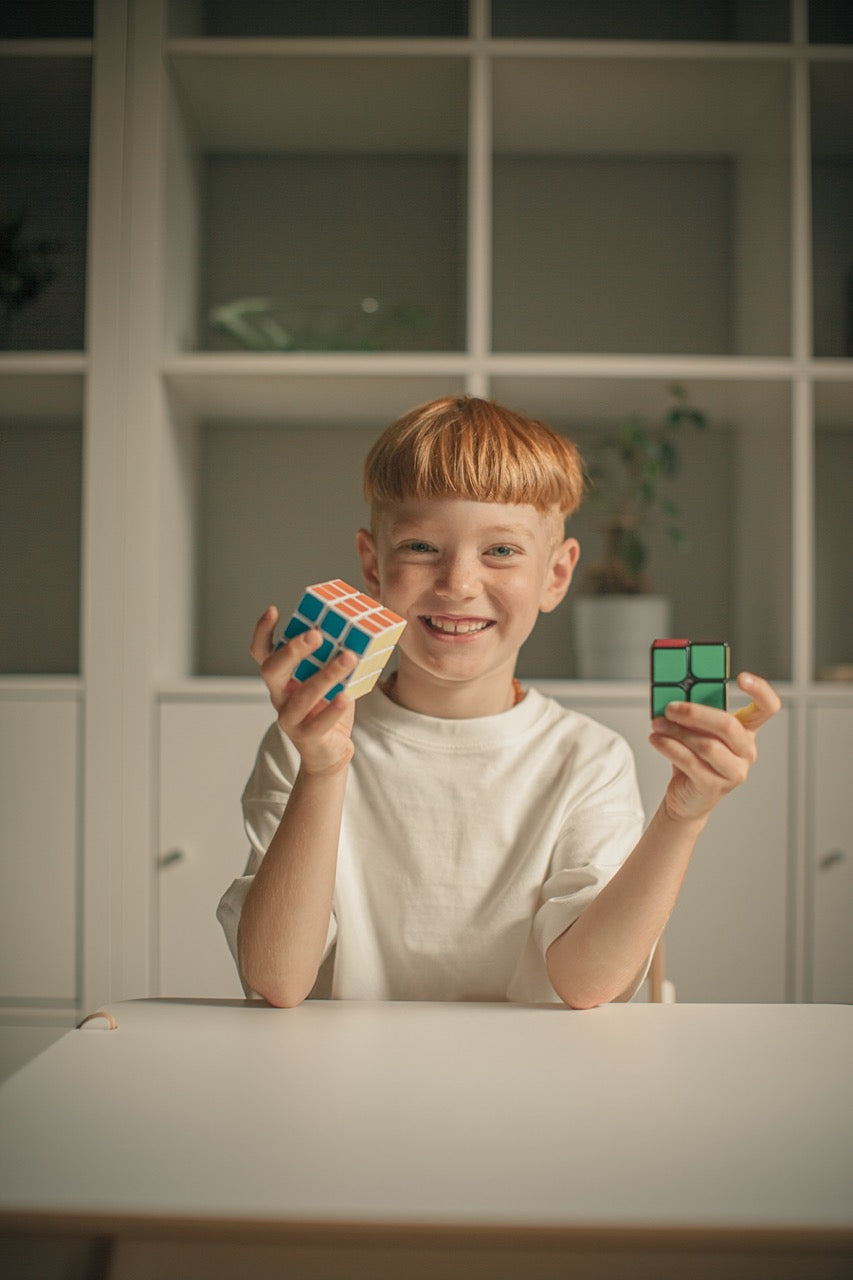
x=711 y=751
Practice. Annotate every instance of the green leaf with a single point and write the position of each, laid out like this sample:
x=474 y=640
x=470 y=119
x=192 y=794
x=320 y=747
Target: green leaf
x=630 y=435
x=669 y=459
x=632 y=551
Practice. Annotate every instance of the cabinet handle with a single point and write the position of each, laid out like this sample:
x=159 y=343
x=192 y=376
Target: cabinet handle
x=170 y=857
x=832 y=858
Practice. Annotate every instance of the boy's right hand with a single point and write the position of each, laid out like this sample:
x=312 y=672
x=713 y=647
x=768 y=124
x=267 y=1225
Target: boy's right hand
x=321 y=731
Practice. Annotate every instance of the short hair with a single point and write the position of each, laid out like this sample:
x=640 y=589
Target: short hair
x=460 y=446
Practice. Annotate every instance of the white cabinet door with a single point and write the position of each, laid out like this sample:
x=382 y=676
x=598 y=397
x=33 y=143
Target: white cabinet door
x=831 y=855
x=39 y=846
x=206 y=754
x=727 y=938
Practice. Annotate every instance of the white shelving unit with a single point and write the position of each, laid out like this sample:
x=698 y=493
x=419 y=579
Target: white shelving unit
x=568 y=217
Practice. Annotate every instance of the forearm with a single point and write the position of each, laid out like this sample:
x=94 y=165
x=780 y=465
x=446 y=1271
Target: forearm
x=285 y=918
x=599 y=958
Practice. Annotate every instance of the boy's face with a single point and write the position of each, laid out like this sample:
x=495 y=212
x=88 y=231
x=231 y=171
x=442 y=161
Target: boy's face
x=470 y=578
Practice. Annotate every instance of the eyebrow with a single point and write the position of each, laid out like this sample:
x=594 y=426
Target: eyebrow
x=493 y=531
x=512 y=529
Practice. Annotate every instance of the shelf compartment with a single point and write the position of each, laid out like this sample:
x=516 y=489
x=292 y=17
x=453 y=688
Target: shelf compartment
x=717 y=20
x=339 y=18
x=356 y=252
x=47 y=20
x=832 y=207
x=40 y=530
x=830 y=22
x=833 y=464
x=314 y=104
x=735 y=495
x=334 y=187
x=641 y=205
x=44 y=173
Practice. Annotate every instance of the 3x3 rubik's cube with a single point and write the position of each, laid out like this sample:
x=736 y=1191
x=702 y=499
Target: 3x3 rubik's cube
x=685 y=671
x=347 y=619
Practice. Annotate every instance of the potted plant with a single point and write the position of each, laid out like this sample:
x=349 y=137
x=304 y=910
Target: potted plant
x=630 y=471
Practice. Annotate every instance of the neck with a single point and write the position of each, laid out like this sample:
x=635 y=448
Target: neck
x=454 y=700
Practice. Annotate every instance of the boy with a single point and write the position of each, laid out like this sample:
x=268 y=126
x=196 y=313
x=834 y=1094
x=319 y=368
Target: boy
x=451 y=836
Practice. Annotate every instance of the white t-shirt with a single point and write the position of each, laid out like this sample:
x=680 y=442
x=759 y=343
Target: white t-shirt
x=467 y=846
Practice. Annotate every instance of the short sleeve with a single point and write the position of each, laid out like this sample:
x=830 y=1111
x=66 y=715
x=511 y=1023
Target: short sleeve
x=588 y=855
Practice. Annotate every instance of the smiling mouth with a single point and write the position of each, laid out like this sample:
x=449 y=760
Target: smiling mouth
x=456 y=626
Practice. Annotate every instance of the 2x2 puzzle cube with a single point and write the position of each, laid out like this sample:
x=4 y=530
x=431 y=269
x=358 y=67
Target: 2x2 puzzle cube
x=347 y=619
x=689 y=671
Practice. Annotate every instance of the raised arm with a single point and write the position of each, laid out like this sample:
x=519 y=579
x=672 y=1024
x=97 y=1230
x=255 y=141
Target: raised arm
x=600 y=957
x=285 y=918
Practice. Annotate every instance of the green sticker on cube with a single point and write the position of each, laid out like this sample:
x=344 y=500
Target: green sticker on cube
x=669 y=666
x=710 y=694
x=663 y=695
x=709 y=661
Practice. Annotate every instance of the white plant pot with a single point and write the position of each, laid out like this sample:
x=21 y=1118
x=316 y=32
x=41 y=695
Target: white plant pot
x=614 y=634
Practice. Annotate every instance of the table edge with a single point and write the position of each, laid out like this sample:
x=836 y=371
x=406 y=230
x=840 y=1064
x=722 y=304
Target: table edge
x=431 y=1235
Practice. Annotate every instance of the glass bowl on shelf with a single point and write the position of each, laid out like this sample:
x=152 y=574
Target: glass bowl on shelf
x=320 y=324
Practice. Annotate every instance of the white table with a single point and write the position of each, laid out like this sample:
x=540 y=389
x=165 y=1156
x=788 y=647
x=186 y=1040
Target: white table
x=395 y=1136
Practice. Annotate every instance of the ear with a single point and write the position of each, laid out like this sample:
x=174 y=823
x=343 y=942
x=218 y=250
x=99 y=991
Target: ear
x=365 y=545
x=559 y=575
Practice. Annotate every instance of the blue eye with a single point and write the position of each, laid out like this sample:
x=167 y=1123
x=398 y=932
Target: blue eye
x=502 y=552
x=418 y=547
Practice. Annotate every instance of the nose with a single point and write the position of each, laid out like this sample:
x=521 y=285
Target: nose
x=457 y=578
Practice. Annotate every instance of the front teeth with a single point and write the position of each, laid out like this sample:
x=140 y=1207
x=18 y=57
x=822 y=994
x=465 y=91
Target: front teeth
x=456 y=628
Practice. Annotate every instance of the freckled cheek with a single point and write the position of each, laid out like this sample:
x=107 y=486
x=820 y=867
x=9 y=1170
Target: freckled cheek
x=399 y=587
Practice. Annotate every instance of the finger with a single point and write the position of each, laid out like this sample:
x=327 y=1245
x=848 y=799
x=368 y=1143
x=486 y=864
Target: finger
x=681 y=757
x=320 y=719
x=693 y=717
x=262 y=637
x=698 y=727
x=306 y=699
x=282 y=660
x=764 y=705
x=278 y=668
x=701 y=755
